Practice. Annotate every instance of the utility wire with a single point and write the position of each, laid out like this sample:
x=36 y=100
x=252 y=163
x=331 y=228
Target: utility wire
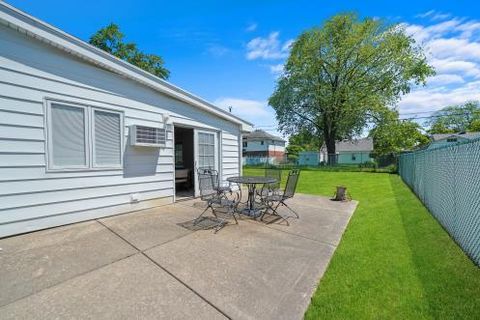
x=441 y=115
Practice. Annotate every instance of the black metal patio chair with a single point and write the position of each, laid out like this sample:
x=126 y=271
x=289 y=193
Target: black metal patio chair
x=271 y=188
x=216 y=199
x=273 y=201
x=222 y=187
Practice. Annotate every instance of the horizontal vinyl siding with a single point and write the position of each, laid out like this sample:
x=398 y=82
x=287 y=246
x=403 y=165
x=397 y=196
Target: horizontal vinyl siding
x=32 y=197
x=230 y=155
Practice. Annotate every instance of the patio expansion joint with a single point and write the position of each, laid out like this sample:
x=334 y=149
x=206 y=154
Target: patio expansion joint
x=165 y=269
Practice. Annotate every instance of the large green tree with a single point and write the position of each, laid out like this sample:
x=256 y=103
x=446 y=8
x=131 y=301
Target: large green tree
x=111 y=40
x=344 y=75
x=392 y=135
x=457 y=118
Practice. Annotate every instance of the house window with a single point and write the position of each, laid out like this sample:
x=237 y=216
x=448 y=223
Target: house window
x=245 y=144
x=68 y=136
x=261 y=142
x=452 y=140
x=83 y=137
x=354 y=157
x=107 y=140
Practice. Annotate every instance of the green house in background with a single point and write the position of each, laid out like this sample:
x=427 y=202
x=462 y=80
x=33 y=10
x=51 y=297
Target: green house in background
x=356 y=151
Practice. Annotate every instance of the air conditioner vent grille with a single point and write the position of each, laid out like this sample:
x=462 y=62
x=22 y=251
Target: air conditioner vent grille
x=148 y=136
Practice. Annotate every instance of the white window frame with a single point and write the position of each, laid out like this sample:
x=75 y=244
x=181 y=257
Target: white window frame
x=89 y=126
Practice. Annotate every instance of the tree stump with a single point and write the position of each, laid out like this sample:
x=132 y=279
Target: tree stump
x=341 y=193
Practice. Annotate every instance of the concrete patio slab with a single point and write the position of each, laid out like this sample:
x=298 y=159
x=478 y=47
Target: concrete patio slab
x=133 y=288
x=148 y=228
x=323 y=203
x=144 y=265
x=35 y=261
x=249 y=272
x=322 y=219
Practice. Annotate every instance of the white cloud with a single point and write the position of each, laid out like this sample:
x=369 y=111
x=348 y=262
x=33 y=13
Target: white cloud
x=276 y=69
x=433 y=15
x=258 y=112
x=426 y=33
x=444 y=79
x=436 y=98
x=440 y=16
x=245 y=108
x=463 y=67
x=268 y=48
x=452 y=48
x=425 y=14
x=251 y=27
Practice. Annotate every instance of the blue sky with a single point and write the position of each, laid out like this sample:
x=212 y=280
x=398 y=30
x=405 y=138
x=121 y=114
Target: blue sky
x=230 y=52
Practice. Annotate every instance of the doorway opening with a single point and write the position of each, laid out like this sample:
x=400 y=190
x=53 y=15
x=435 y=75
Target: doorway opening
x=184 y=163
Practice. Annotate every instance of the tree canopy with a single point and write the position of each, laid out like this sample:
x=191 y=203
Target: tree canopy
x=110 y=39
x=457 y=118
x=302 y=141
x=392 y=136
x=344 y=75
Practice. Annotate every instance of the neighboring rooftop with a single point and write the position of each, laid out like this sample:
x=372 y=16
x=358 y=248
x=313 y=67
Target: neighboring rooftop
x=261 y=135
x=357 y=145
x=465 y=135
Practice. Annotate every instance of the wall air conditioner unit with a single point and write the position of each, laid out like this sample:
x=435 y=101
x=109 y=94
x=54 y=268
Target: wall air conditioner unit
x=142 y=136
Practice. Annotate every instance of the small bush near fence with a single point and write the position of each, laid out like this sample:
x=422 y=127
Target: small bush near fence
x=447 y=181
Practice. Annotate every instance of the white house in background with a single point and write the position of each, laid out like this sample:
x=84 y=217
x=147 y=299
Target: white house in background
x=445 y=139
x=85 y=135
x=261 y=146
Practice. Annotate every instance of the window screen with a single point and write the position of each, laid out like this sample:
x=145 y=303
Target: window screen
x=107 y=139
x=68 y=143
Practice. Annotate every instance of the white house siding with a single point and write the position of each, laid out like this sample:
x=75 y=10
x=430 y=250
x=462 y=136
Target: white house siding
x=31 y=197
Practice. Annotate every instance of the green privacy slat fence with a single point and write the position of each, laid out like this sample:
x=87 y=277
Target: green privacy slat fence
x=447 y=181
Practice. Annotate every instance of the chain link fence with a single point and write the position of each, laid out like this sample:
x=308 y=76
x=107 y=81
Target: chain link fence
x=447 y=181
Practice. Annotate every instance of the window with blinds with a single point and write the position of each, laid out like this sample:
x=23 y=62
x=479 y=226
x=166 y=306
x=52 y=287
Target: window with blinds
x=83 y=137
x=68 y=136
x=107 y=138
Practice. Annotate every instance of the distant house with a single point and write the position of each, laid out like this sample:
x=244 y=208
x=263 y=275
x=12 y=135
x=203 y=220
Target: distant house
x=260 y=146
x=348 y=152
x=445 y=139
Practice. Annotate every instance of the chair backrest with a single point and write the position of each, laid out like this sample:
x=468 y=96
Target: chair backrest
x=291 y=185
x=274 y=173
x=207 y=183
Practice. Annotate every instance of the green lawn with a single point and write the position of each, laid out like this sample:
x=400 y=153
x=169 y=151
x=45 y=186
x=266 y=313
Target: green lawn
x=394 y=261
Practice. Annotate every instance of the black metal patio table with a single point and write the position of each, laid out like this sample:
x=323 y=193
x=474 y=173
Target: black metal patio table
x=252 y=182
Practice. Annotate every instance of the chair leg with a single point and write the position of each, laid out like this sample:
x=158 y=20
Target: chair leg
x=269 y=207
x=288 y=207
x=232 y=210
x=209 y=206
x=280 y=217
x=275 y=213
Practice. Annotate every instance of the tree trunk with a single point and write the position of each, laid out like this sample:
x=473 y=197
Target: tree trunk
x=330 y=143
